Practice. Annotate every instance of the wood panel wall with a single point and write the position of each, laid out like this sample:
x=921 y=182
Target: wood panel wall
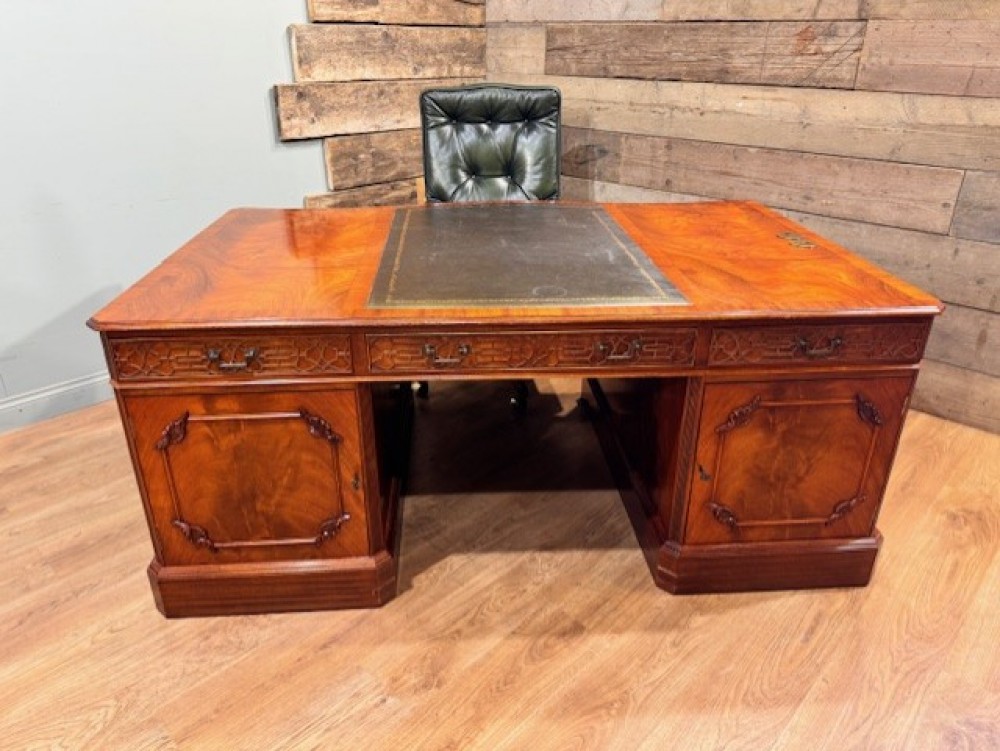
x=875 y=122
x=359 y=69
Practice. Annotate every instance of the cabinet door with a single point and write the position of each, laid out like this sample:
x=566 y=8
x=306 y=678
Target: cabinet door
x=251 y=476
x=796 y=459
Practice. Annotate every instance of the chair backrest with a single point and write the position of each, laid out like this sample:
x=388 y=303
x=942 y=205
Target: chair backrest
x=491 y=142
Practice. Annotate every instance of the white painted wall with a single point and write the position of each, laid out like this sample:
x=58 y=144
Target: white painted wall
x=125 y=128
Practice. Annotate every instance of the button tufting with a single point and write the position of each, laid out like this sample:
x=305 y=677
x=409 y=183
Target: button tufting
x=493 y=142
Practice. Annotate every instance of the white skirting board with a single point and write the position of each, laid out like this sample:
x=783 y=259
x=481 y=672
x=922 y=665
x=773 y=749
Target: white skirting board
x=34 y=406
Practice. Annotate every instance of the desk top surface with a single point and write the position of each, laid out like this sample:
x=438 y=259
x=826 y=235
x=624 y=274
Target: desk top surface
x=294 y=267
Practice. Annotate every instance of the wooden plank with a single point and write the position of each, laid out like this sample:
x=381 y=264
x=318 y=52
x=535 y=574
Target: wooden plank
x=579 y=189
x=899 y=195
x=958 y=394
x=768 y=10
x=878 y=192
x=761 y=10
x=592 y=154
x=317 y=110
x=499 y=11
x=955 y=270
x=933 y=10
x=515 y=48
x=968 y=338
x=913 y=128
x=792 y=54
x=977 y=214
x=368 y=158
x=936 y=57
x=396 y=193
x=816 y=54
x=423 y=12
x=359 y=52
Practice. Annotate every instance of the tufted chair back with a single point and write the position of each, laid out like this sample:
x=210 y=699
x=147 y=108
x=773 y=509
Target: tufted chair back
x=491 y=142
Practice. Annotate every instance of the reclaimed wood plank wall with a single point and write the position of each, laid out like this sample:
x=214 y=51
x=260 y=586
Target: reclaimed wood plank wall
x=359 y=69
x=874 y=122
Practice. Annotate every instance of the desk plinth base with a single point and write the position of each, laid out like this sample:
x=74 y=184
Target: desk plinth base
x=273 y=587
x=796 y=564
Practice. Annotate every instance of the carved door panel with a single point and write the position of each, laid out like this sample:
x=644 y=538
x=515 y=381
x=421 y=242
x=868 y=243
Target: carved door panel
x=251 y=476
x=796 y=459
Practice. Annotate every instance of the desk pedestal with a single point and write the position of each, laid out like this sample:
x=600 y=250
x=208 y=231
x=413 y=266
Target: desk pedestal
x=264 y=498
x=741 y=484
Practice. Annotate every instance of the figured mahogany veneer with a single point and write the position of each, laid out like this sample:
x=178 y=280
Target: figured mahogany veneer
x=240 y=477
x=830 y=443
x=751 y=430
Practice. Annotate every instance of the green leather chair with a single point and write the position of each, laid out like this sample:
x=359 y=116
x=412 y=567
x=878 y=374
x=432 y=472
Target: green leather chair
x=491 y=142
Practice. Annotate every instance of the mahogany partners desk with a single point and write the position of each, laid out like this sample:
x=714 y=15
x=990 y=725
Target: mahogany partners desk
x=749 y=382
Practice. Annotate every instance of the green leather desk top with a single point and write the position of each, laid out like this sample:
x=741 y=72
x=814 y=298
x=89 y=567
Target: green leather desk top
x=514 y=254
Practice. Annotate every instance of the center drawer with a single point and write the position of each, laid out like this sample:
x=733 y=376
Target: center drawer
x=530 y=351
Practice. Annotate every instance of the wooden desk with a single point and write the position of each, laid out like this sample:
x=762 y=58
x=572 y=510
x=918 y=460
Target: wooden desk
x=752 y=429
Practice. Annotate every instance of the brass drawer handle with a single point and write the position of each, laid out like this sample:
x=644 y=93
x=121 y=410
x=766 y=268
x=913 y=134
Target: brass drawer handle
x=430 y=352
x=249 y=356
x=804 y=347
x=631 y=352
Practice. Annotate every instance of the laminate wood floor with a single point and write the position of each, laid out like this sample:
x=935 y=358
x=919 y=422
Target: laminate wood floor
x=527 y=617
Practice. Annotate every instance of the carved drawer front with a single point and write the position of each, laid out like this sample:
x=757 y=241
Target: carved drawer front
x=234 y=478
x=264 y=355
x=885 y=342
x=782 y=460
x=422 y=353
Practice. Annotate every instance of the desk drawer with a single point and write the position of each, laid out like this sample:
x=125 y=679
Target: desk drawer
x=886 y=342
x=263 y=356
x=528 y=351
